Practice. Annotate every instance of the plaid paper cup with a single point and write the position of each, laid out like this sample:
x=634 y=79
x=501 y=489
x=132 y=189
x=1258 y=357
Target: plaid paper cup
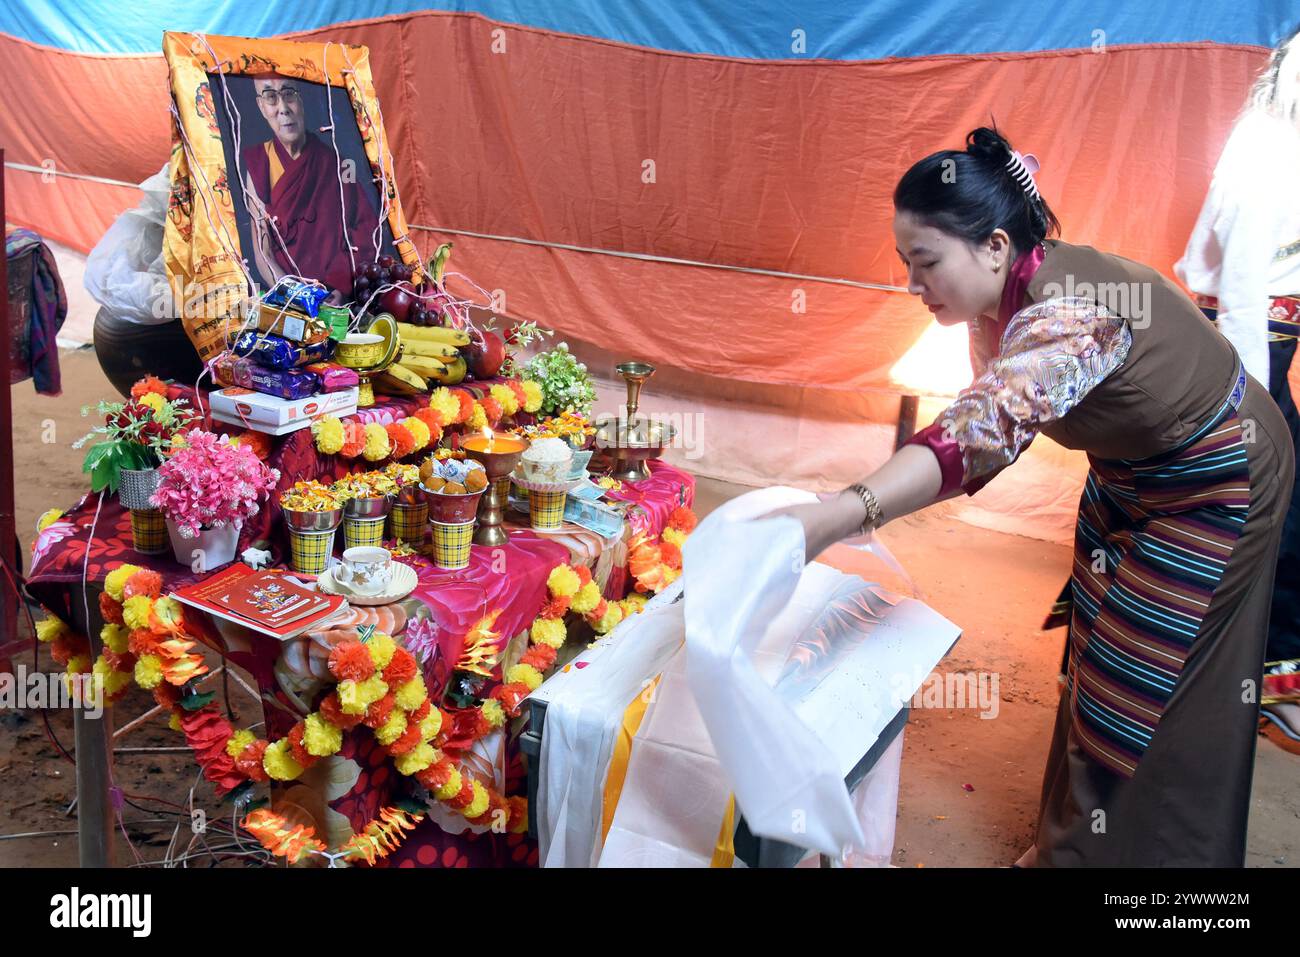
x=309 y=552
x=546 y=509
x=360 y=532
x=148 y=531
x=451 y=544
x=407 y=521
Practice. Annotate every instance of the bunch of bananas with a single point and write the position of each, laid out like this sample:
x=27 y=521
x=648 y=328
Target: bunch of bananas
x=430 y=357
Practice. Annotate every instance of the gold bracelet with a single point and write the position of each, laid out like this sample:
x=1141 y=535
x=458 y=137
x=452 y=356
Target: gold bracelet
x=872 y=505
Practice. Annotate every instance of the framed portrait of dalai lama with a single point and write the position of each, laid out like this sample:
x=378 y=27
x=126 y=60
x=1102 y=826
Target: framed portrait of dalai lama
x=279 y=168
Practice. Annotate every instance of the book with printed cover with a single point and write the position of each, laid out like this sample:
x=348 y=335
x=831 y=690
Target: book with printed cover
x=266 y=601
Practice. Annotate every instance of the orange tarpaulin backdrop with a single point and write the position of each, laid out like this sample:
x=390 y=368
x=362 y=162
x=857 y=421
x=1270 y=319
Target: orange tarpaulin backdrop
x=778 y=165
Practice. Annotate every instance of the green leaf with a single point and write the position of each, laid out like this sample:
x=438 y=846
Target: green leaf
x=193 y=702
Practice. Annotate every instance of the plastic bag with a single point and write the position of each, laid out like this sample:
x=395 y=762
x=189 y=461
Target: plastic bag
x=125 y=272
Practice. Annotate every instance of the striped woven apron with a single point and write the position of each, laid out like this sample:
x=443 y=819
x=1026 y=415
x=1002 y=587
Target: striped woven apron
x=1151 y=544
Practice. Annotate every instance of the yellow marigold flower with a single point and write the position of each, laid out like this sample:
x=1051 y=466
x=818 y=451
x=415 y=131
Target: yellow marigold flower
x=238 y=741
x=451 y=788
x=548 y=631
x=356 y=696
x=393 y=728
x=445 y=404
x=670 y=575
x=116 y=580
x=116 y=637
x=415 y=760
x=49 y=628
x=506 y=397
x=430 y=725
x=278 y=761
x=148 y=671
x=328 y=432
x=478 y=420
x=174 y=722
x=153 y=400
x=532 y=395
x=377 y=446
x=635 y=603
x=321 y=738
x=563 y=582
x=419 y=431
x=674 y=536
x=135 y=611
x=480 y=803
x=493 y=713
x=613 y=615
x=115 y=682
x=587 y=598
x=381 y=648
x=412 y=694
x=78 y=664
x=524 y=674
x=48 y=518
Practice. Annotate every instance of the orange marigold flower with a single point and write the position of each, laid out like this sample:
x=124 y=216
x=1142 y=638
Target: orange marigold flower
x=510 y=695
x=670 y=554
x=492 y=409
x=433 y=419
x=517 y=388
x=540 y=657
x=401 y=668
x=110 y=610
x=466 y=404
x=401 y=439
x=143 y=582
x=466 y=796
x=683 y=519
x=66 y=647
x=420 y=713
x=407 y=739
x=351 y=660
x=149 y=383
x=249 y=762
x=556 y=607
x=143 y=642
x=597 y=613
x=583 y=573
x=333 y=712
x=379 y=711
x=298 y=748
x=354 y=439
x=436 y=775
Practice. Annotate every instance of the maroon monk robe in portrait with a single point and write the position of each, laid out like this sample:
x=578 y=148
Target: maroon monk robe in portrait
x=303 y=196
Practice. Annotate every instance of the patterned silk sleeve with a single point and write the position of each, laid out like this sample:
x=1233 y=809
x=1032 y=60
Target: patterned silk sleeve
x=1053 y=354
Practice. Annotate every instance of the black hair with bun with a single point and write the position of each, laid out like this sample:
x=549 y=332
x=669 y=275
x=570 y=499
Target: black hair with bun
x=969 y=193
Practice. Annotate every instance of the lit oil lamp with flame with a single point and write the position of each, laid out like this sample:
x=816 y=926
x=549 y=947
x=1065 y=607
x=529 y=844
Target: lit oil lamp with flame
x=499 y=455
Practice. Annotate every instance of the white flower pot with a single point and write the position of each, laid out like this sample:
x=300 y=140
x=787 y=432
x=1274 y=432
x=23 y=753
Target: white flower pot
x=212 y=548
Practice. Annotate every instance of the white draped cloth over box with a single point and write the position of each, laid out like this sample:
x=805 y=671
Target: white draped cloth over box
x=775 y=678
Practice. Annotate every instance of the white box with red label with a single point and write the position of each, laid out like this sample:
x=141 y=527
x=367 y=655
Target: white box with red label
x=276 y=416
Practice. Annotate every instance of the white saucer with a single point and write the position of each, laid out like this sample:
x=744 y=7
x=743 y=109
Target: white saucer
x=402 y=584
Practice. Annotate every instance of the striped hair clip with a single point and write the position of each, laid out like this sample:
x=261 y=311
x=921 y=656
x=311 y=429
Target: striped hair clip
x=1022 y=168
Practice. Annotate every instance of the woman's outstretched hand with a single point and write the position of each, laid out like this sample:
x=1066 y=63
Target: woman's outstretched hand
x=836 y=517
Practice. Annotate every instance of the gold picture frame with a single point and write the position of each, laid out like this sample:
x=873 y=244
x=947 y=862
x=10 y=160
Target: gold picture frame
x=209 y=268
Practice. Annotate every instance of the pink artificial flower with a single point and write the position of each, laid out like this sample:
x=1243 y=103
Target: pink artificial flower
x=210 y=483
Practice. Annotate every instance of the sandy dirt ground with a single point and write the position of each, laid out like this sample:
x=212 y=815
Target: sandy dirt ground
x=970 y=784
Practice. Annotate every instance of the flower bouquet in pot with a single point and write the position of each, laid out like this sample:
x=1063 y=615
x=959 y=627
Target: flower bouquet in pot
x=565 y=383
x=206 y=489
x=137 y=435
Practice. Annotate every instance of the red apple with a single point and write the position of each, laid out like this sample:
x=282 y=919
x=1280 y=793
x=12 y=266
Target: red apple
x=397 y=301
x=484 y=361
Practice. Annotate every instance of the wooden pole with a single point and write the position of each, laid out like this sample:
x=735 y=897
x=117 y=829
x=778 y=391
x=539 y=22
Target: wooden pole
x=906 y=420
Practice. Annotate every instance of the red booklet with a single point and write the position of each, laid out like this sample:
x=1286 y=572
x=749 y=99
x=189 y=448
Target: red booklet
x=266 y=601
